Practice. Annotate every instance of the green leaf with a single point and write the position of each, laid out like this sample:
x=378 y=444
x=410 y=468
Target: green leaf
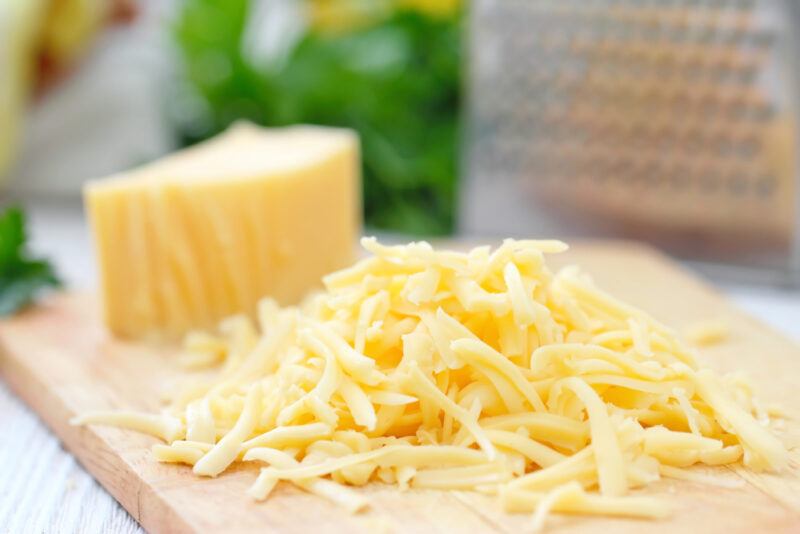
x=21 y=276
x=397 y=82
x=12 y=236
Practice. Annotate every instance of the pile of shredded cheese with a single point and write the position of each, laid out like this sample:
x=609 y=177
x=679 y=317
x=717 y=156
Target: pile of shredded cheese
x=474 y=371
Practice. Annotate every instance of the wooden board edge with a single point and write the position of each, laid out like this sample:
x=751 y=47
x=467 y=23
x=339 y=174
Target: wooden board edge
x=92 y=451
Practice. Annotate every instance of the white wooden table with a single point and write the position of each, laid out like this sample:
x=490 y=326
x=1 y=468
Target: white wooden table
x=43 y=489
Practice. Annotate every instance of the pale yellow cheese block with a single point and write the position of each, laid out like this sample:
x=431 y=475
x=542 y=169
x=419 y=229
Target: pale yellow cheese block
x=188 y=240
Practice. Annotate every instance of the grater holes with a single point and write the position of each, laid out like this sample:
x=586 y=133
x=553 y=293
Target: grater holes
x=748 y=146
x=766 y=186
x=737 y=184
x=722 y=146
x=708 y=183
x=657 y=102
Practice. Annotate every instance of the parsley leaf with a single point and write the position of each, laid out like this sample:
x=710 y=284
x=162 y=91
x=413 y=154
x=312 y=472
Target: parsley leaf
x=21 y=276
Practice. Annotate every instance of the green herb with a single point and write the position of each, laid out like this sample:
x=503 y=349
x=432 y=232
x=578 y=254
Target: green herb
x=21 y=277
x=397 y=81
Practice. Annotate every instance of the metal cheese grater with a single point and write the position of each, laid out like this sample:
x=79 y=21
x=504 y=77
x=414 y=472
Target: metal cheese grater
x=673 y=121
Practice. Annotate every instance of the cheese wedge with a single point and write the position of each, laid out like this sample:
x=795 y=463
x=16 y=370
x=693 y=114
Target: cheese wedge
x=206 y=232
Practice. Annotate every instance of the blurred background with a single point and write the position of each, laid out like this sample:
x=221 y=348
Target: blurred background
x=669 y=121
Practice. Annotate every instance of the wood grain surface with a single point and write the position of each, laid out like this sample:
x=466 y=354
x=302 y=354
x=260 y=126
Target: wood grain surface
x=60 y=360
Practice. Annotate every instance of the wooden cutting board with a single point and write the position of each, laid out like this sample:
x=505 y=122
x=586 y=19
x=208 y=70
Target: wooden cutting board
x=59 y=359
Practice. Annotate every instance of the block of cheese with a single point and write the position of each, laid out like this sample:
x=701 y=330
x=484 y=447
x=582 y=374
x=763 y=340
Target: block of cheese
x=208 y=231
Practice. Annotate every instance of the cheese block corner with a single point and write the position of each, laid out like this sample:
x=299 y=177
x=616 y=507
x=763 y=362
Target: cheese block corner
x=208 y=231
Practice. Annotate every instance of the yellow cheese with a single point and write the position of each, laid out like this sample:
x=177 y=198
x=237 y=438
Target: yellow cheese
x=205 y=233
x=481 y=371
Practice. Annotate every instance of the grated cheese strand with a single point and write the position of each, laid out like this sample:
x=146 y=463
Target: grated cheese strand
x=769 y=452
x=226 y=450
x=165 y=427
x=423 y=387
x=607 y=452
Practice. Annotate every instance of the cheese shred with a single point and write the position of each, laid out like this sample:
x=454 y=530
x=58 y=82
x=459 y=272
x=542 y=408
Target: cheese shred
x=477 y=371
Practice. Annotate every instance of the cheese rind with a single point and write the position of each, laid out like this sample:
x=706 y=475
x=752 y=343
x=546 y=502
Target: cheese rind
x=205 y=233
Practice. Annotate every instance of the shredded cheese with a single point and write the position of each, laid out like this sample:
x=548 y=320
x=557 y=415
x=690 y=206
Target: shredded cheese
x=166 y=427
x=571 y=498
x=476 y=371
x=226 y=450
